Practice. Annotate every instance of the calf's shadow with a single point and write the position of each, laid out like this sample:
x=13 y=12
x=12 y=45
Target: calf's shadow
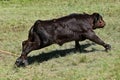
x=58 y=53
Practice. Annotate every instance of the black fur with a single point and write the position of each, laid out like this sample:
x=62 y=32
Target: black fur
x=74 y=27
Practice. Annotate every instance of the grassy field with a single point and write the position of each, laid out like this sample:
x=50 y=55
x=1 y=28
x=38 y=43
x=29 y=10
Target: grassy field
x=56 y=62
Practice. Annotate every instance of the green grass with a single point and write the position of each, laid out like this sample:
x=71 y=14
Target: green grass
x=56 y=62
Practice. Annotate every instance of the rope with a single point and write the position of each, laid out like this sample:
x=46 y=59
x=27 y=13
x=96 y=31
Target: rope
x=8 y=53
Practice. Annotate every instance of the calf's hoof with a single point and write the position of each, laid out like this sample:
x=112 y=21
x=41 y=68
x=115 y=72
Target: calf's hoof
x=107 y=47
x=21 y=62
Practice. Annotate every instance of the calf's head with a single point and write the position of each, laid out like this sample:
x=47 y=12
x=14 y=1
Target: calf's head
x=98 y=21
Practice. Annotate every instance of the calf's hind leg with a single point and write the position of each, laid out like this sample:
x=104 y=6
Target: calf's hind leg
x=28 y=46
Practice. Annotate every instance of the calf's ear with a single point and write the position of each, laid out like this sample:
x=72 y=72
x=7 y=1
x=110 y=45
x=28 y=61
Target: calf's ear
x=96 y=17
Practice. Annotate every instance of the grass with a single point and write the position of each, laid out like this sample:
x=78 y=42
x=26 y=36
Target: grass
x=56 y=62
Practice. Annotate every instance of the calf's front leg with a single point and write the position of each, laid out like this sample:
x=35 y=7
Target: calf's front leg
x=93 y=37
x=77 y=45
